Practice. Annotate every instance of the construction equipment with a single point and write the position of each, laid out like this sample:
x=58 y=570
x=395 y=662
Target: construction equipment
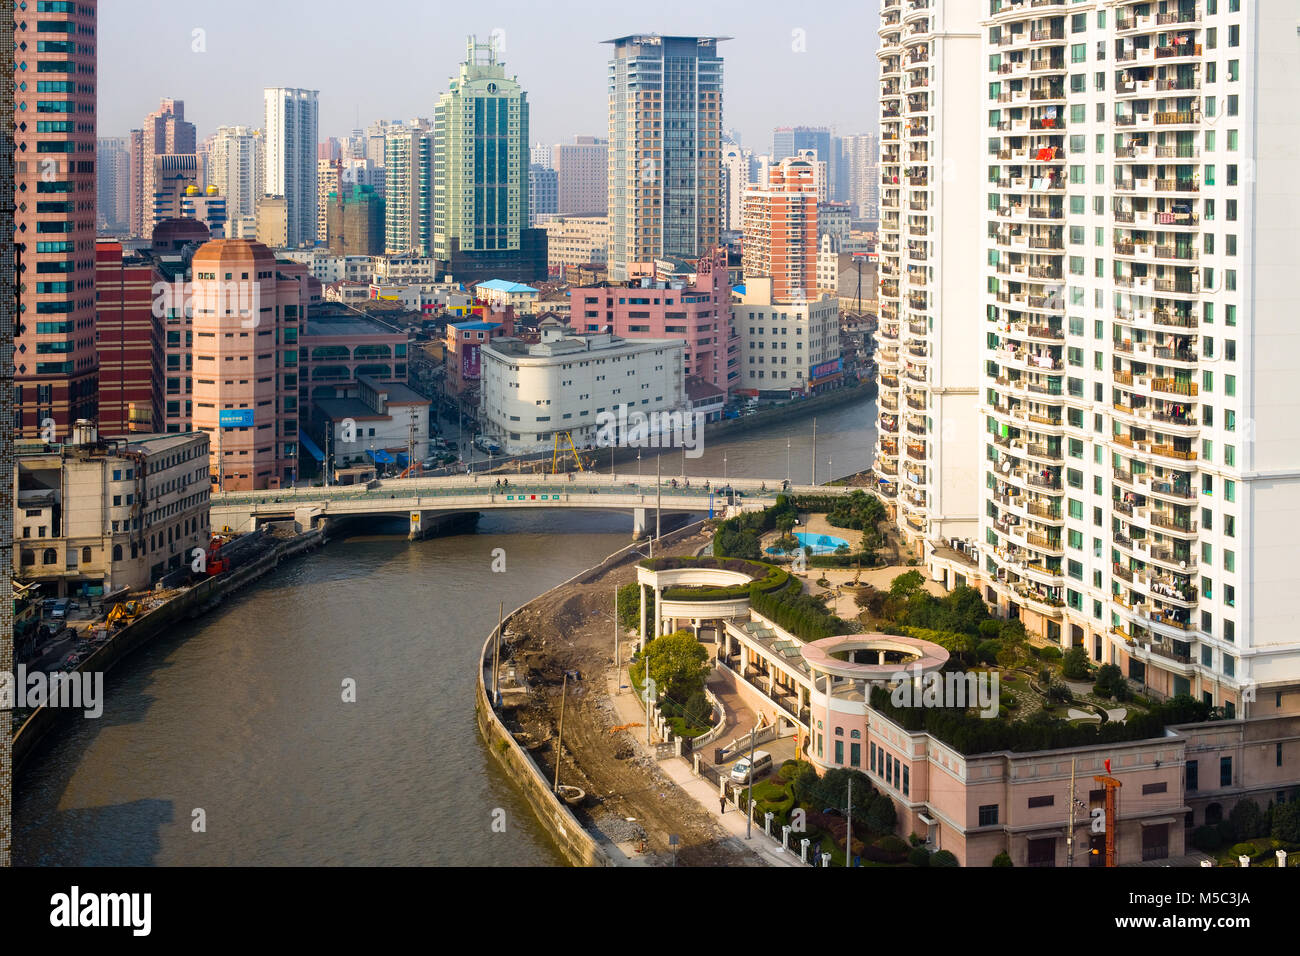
x=1110 y=819
x=215 y=562
x=614 y=730
x=556 y=453
x=412 y=470
x=124 y=612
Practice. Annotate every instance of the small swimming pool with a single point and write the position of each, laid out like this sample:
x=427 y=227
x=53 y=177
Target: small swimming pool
x=816 y=543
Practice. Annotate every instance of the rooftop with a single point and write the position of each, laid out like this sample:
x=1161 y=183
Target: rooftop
x=333 y=318
x=502 y=285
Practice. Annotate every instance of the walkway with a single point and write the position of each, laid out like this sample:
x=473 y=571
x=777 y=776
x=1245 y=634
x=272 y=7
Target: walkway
x=680 y=771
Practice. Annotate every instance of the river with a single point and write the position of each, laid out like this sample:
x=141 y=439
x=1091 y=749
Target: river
x=229 y=743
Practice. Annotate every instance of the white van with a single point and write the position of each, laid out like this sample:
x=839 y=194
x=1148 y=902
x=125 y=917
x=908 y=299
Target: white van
x=762 y=764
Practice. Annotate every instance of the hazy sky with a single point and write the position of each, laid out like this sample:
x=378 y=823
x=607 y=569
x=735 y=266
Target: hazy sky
x=389 y=59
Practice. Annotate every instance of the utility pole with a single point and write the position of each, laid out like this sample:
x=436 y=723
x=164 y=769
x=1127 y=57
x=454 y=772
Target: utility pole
x=659 y=499
x=1069 y=834
x=410 y=442
x=749 y=796
x=848 y=839
x=787 y=459
x=814 y=452
x=617 y=666
x=559 y=740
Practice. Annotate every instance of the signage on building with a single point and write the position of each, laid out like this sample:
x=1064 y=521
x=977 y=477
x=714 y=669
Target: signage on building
x=469 y=361
x=826 y=369
x=236 y=418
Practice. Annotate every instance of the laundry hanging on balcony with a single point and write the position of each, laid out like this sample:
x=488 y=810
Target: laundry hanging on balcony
x=1046 y=153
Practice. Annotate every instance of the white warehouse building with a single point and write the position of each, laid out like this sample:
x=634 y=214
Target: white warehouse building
x=568 y=383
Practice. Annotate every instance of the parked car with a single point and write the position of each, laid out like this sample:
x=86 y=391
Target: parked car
x=742 y=772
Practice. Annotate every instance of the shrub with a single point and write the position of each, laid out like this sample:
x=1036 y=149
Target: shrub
x=1074 y=664
x=1110 y=683
x=1007 y=700
x=1243 y=849
x=896 y=850
x=1050 y=653
x=1206 y=839
x=919 y=856
x=1045 y=676
x=1059 y=693
x=915 y=839
x=1003 y=859
x=988 y=629
x=987 y=651
x=943 y=858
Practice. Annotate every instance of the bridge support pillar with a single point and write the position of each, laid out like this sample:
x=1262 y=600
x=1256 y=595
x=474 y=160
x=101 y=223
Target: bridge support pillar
x=421 y=524
x=638 y=523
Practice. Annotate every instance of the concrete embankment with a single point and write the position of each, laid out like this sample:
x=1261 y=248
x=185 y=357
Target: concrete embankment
x=580 y=847
x=193 y=602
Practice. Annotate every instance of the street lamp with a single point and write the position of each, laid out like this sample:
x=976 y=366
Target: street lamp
x=724 y=469
x=787 y=459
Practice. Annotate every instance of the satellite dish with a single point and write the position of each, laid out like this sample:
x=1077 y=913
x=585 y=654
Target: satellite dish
x=1006 y=465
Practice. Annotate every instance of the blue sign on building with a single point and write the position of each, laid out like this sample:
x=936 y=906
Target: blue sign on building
x=236 y=418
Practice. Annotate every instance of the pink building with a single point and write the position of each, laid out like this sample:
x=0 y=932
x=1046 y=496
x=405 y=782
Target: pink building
x=979 y=804
x=248 y=314
x=695 y=306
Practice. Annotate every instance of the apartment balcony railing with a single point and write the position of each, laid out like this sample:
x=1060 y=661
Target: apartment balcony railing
x=1175 y=355
x=1173 y=386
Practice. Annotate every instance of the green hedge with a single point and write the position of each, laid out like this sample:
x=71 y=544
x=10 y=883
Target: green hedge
x=800 y=614
x=768 y=578
x=970 y=734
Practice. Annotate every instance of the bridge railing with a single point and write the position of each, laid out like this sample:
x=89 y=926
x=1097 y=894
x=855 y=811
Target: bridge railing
x=460 y=486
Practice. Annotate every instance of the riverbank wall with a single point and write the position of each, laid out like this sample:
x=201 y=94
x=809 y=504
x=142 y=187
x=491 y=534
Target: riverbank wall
x=579 y=847
x=194 y=602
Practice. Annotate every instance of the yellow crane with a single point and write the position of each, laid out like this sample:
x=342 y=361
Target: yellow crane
x=556 y=453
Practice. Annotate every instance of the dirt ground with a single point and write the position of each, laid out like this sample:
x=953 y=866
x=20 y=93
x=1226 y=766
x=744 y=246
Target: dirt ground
x=570 y=630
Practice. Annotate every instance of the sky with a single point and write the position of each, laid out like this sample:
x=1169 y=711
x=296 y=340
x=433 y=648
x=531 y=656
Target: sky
x=809 y=64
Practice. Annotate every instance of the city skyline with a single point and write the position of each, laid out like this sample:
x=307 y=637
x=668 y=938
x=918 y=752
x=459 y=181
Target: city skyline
x=770 y=50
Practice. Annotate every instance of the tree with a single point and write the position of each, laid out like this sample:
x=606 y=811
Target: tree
x=629 y=606
x=1074 y=665
x=1286 y=821
x=1003 y=859
x=1110 y=682
x=1247 y=819
x=943 y=858
x=785 y=523
x=831 y=790
x=906 y=584
x=881 y=815
x=678 y=665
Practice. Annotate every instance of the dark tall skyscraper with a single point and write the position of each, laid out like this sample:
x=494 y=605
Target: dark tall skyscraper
x=55 y=363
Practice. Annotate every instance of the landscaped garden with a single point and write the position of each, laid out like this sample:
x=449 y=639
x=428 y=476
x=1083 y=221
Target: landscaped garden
x=797 y=797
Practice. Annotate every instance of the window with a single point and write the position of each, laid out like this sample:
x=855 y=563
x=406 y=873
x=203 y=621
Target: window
x=989 y=815
x=1193 y=781
x=1150 y=788
x=1046 y=801
x=1225 y=771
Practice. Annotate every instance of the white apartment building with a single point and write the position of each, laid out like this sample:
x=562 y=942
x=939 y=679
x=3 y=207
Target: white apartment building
x=290 y=164
x=735 y=180
x=931 y=279
x=1141 y=447
x=93 y=517
x=785 y=348
x=565 y=383
x=576 y=240
x=1138 y=436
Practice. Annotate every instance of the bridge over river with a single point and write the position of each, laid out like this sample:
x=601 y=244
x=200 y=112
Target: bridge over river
x=425 y=501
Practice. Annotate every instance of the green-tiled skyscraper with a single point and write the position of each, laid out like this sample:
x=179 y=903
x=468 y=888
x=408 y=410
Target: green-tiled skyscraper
x=481 y=181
